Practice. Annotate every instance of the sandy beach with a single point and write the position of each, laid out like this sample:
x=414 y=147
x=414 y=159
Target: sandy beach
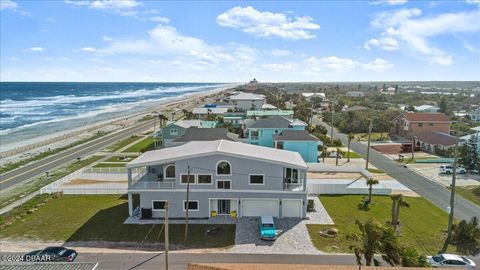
x=24 y=149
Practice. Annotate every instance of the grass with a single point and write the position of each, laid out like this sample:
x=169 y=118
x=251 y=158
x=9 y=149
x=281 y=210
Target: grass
x=375 y=170
x=109 y=165
x=121 y=159
x=468 y=193
x=119 y=145
x=374 y=137
x=142 y=146
x=352 y=155
x=11 y=166
x=23 y=190
x=100 y=218
x=422 y=224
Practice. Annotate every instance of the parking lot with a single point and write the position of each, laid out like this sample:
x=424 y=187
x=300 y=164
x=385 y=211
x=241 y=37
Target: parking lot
x=432 y=172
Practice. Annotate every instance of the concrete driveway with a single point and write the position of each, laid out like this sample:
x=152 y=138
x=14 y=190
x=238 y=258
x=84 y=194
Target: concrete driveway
x=293 y=238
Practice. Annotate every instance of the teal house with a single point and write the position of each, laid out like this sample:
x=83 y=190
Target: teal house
x=298 y=141
x=173 y=130
x=261 y=132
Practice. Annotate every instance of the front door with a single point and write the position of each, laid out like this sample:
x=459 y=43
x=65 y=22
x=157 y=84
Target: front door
x=223 y=207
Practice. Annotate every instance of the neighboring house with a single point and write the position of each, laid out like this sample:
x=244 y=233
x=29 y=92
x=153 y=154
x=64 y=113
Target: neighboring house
x=474 y=115
x=477 y=132
x=247 y=101
x=355 y=108
x=427 y=108
x=203 y=134
x=261 y=131
x=235 y=118
x=431 y=141
x=267 y=106
x=173 y=130
x=225 y=178
x=355 y=94
x=269 y=113
x=409 y=123
x=252 y=85
x=309 y=96
x=299 y=141
x=388 y=91
x=203 y=113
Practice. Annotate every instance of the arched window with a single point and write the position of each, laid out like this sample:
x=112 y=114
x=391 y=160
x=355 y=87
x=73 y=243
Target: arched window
x=224 y=168
x=170 y=171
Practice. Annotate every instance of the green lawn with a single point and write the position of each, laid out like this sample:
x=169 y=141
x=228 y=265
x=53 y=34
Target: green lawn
x=120 y=159
x=8 y=197
x=352 y=155
x=374 y=137
x=423 y=224
x=109 y=165
x=467 y=193
x=100 y=218
x=375 y=170
x=119 y=145
x=142 y=146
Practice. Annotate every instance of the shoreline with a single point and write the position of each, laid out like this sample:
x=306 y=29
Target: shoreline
x=21 y=150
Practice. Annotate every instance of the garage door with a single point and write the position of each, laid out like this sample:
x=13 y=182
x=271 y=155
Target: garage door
x=259 y=207
x=292 y=208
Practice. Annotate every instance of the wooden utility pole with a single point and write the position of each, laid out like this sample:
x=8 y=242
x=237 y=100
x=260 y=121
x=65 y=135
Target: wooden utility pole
x=187 y=207
x=166 y=236
x=370 y=127
x=452 y=197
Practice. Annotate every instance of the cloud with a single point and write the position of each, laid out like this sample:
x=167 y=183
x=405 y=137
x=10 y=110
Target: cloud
x=159 y=19
x=268 y=24
x=121 y=7
x=34 y=49
x=389 y=2
x=378 y=65
x=332 y=63
x=474 y=2
x=406 y=28
x=279 y=67
x=8 y=4
x=279 y=52
x=385 y=43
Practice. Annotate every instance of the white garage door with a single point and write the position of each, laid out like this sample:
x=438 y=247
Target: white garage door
x=259 y=207
x=292 y=208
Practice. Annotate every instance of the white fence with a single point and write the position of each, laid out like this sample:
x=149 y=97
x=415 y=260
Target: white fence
x=343 y=187
x=92 y=191
x=110 y=170
x=54 y=187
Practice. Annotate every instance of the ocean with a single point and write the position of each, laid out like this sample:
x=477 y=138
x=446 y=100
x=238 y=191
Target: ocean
x=33 y=109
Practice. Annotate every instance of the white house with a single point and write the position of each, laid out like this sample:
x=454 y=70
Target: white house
x=247 y=101
x=355 y=94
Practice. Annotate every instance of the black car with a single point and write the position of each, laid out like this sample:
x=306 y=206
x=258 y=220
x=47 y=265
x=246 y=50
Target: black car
x=51 y=254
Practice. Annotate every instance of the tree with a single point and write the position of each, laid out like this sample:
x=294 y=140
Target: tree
x=469 y=157
x=325 y=153
x=338 y=155
x=411 y=258
x=162 y=119
x=375 y=239
x=370 y=183
x=443 y=106
x=397 y=203
x=466 y=237
x=350 y=138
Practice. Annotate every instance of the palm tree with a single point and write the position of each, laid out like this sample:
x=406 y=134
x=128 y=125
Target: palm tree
x=375 y=239
x=325 y=153
x=339 y=154
x=397 y=202
x=162 y=119
x=466 y=237
x=370 y=183
x=185 y=114
x=350 y=138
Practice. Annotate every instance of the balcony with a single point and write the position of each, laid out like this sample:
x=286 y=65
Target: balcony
x=152 y=181
x=289 y=184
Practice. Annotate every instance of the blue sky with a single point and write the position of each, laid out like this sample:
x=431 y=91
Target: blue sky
x=83 y=40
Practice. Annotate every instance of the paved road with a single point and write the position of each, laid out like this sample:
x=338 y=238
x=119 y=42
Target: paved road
x=430 y=190
x=40 y=167
x=180 y=260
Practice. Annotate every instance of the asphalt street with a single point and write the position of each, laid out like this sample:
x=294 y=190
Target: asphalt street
x=430 y=190
x=40 y=167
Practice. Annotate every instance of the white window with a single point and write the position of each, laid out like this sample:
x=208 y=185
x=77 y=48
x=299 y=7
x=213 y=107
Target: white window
x=158 y=205
x=169 y=171
x=257 y=179
x=224 y=168
x=192 y=205
x=224 y=184
x=184 y=177
x=204 y=178
x=173 y=131
x=291 y=176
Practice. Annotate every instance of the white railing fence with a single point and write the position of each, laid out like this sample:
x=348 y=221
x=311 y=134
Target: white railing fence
x=110 y=170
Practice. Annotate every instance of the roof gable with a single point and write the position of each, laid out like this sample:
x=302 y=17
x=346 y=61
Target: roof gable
x=294 y=135
x=272 y=122
x=426 y=117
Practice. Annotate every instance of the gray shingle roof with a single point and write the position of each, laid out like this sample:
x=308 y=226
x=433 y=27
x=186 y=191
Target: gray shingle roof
x=294 y=135
x=436 y=138
x=204 y=134
x=272 y=122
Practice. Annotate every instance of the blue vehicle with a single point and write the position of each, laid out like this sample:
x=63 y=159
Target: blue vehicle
x=267 y=229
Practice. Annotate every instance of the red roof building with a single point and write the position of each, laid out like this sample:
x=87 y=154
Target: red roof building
x=411 y=123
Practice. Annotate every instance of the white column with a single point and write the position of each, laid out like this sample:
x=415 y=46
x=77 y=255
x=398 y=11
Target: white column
x=130 y=205
x=129 y=172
